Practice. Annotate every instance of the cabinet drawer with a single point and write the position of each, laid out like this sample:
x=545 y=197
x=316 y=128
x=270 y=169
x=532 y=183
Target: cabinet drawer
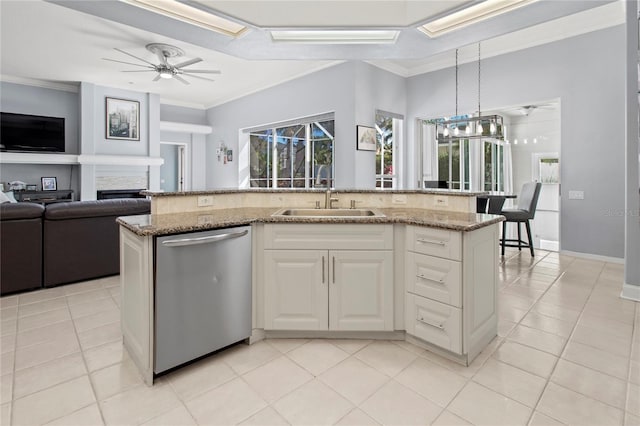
x=434 y=322
x=328 y=236
x=433 y=277
x=434 y=242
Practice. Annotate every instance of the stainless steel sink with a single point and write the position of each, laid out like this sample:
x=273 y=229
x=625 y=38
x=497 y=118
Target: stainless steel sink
x=363 y=213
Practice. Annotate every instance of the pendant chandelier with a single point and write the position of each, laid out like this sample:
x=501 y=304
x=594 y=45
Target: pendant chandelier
x=470 y=126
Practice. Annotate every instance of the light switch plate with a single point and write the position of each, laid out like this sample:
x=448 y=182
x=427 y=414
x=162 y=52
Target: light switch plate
x=576 y=195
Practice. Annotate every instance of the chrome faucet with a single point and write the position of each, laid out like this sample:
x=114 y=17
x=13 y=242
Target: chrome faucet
x=328 y=200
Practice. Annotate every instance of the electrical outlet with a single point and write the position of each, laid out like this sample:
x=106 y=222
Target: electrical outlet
x=441 y=201
x=205 y=201
x=399 y=199
x=576 y=195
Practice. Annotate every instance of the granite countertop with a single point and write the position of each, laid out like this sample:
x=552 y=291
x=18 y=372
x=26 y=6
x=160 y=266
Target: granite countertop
x=438 y=191
x=167 y=224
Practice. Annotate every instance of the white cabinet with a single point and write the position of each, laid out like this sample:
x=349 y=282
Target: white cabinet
x=313 y=284
x=451 y=284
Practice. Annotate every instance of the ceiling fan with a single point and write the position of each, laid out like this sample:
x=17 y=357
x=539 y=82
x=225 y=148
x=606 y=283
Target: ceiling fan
x=528 y=109
x=164 y=68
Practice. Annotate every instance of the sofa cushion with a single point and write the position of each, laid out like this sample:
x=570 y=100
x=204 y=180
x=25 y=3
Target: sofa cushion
x=81 y=209
x=18 y=211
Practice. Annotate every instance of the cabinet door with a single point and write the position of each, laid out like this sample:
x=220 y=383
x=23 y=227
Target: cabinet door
x=296 y=293
x=361 y=290
x=433 y=277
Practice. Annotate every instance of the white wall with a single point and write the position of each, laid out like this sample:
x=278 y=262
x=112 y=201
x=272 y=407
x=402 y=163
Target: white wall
x=352 y=90
x=587 y=74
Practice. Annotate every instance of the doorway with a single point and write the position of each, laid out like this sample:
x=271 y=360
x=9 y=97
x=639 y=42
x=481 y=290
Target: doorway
x=173 y=172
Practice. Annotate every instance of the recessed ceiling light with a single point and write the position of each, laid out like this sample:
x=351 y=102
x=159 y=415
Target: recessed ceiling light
x=192 y=15
x=335 y=36
x=471 y=15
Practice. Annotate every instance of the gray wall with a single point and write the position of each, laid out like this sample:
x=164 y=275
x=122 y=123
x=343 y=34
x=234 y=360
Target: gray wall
x=24 y=99
x=352 y=90
x=587 y=74
x=181 y=114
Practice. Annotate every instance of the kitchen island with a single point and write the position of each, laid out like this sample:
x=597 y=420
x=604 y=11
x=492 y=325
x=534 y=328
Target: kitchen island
x=417 y=272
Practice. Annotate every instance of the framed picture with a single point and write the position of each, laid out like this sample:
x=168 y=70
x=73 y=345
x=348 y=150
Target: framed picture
x=49 y=184
x=365 y=138
x=122 y=119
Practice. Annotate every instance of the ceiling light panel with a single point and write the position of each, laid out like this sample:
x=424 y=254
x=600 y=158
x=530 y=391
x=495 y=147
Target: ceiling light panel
x=471 y=15
x=191 y=15
x=336 y=36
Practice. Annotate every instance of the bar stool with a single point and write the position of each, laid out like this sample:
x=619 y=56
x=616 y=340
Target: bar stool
x=527 y=202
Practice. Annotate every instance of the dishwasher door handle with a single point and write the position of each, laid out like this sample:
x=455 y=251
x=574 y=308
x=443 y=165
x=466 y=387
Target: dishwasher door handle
x=203 y=240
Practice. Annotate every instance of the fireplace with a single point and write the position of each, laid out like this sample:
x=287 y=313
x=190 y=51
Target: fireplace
x=107 y=194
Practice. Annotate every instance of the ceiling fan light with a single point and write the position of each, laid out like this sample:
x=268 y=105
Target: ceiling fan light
x=166 y=74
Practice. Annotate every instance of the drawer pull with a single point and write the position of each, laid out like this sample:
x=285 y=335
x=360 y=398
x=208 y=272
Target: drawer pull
x=427 y=241
x=424 y=277
x=440 y=326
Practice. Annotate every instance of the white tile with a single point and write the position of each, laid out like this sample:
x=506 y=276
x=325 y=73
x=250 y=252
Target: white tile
x=631 y=419
x=7 y=343
x=100 y=335
x=397 y=404
x=197 y=378
x=386 y=357
x=110 y=282
x=357 y=417
x=446 y=418
x=548 y=324
x=354 y=380
x=591 y=383
x=432 y=381
x=602 y=340
x=96 y=320
x=30 y=356
x=8 y=327
x=633 y=399
x=87 y=416
x=276 y=378
x=5 y=414
x=227 y=404
x=555 y=311
x=8 y=313
x=242 y=358
x=266 y=416
x=482 y=406
x=34 y=336
x=7 y=361
x=539 y=419
x=178 y=416
x=615 y=328
x=105 y=355
x=43 y=319
x=317 y=356
x=33 y=379
x=52 y=403
x=573 y=408
x=410 y=347
x=89 y=308
x=8 y=301
x=634 y=372
x=81 y=287
x=139 y=404
x=88 y=296
x=538 y=339
x=510 y=381
x=505 y=327
x=115 y=379
x=286 y=345
x=526 y=358
x=313 y=403
x=40 y=307
x=350 y=346
x=605 y=362
x=6 y=386
x=40 y=295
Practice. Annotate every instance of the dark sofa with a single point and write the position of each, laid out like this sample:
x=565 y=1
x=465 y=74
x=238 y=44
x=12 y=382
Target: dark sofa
x=67 y=242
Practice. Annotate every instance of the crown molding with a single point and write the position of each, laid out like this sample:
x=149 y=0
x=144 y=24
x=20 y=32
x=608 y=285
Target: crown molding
x=46 y=84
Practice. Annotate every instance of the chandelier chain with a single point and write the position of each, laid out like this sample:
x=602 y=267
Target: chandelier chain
x=456 y=82
x=479 y=113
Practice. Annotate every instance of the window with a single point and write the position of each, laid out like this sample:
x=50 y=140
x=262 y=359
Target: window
x=453 y=163
x=493 y=165
x=298 y=155
x=388 y=137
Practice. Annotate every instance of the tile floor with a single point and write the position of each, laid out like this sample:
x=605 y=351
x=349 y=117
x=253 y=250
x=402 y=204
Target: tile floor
x=568 y=352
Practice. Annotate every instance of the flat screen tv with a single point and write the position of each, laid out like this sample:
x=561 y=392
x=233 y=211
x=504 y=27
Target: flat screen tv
x=31 y=133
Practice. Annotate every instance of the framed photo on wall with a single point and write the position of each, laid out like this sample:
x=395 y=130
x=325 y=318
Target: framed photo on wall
x=365 y=138
x=49 y=183
x=122 y=119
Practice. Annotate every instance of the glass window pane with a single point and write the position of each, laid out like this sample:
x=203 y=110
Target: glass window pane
x=322 y=154
x=260 y=161
x=443 y=162
x=488 y=176
x=455 y=165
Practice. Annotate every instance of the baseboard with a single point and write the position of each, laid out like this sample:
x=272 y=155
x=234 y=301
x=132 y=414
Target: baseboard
x=549 y=245
x=630 y=292
x=590 y=256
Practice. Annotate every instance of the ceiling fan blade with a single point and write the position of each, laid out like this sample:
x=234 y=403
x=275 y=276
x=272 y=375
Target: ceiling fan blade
x=139 y=71
x=187 y=63
x=202 y=72
x=133 y=56
x=180 y=79
x=157 y=78
x=201 y=78
x=128 y=63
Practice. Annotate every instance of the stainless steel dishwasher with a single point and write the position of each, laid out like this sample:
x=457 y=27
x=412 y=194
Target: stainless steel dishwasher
x=202 y=294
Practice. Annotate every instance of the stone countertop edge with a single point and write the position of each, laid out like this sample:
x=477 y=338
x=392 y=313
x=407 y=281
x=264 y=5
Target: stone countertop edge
x=316 y=190
x=178 y=223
